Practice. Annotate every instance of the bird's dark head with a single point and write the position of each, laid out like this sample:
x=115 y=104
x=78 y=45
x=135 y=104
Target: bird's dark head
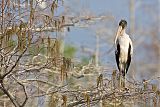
x=123 y=24
x=121 y=27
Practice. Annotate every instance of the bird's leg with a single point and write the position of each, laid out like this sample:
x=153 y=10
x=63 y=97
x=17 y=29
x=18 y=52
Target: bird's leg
x=123 y=82
x=120 y=80
x=123 y=79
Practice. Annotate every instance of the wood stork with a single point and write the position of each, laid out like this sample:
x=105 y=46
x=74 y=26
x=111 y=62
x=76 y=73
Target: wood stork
x=123 y=48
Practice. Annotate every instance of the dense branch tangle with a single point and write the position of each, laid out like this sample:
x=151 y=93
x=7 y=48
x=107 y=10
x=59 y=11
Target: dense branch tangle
x=21 y=42
x=99 y=94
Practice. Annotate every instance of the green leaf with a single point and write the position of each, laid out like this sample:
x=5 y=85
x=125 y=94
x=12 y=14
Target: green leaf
x=69 y=51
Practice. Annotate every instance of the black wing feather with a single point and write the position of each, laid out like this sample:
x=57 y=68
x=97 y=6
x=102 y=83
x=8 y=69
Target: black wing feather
x=129 y=58
x=117 y=53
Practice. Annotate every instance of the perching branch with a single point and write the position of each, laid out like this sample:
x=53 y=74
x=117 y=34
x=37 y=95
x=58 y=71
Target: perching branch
x=20 y=56
x=5 y=91
x=24 y=90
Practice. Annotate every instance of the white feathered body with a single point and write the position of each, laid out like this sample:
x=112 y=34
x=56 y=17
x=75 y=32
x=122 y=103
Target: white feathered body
x=124 y=42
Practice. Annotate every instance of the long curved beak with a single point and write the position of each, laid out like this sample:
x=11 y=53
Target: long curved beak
x=118 y=33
